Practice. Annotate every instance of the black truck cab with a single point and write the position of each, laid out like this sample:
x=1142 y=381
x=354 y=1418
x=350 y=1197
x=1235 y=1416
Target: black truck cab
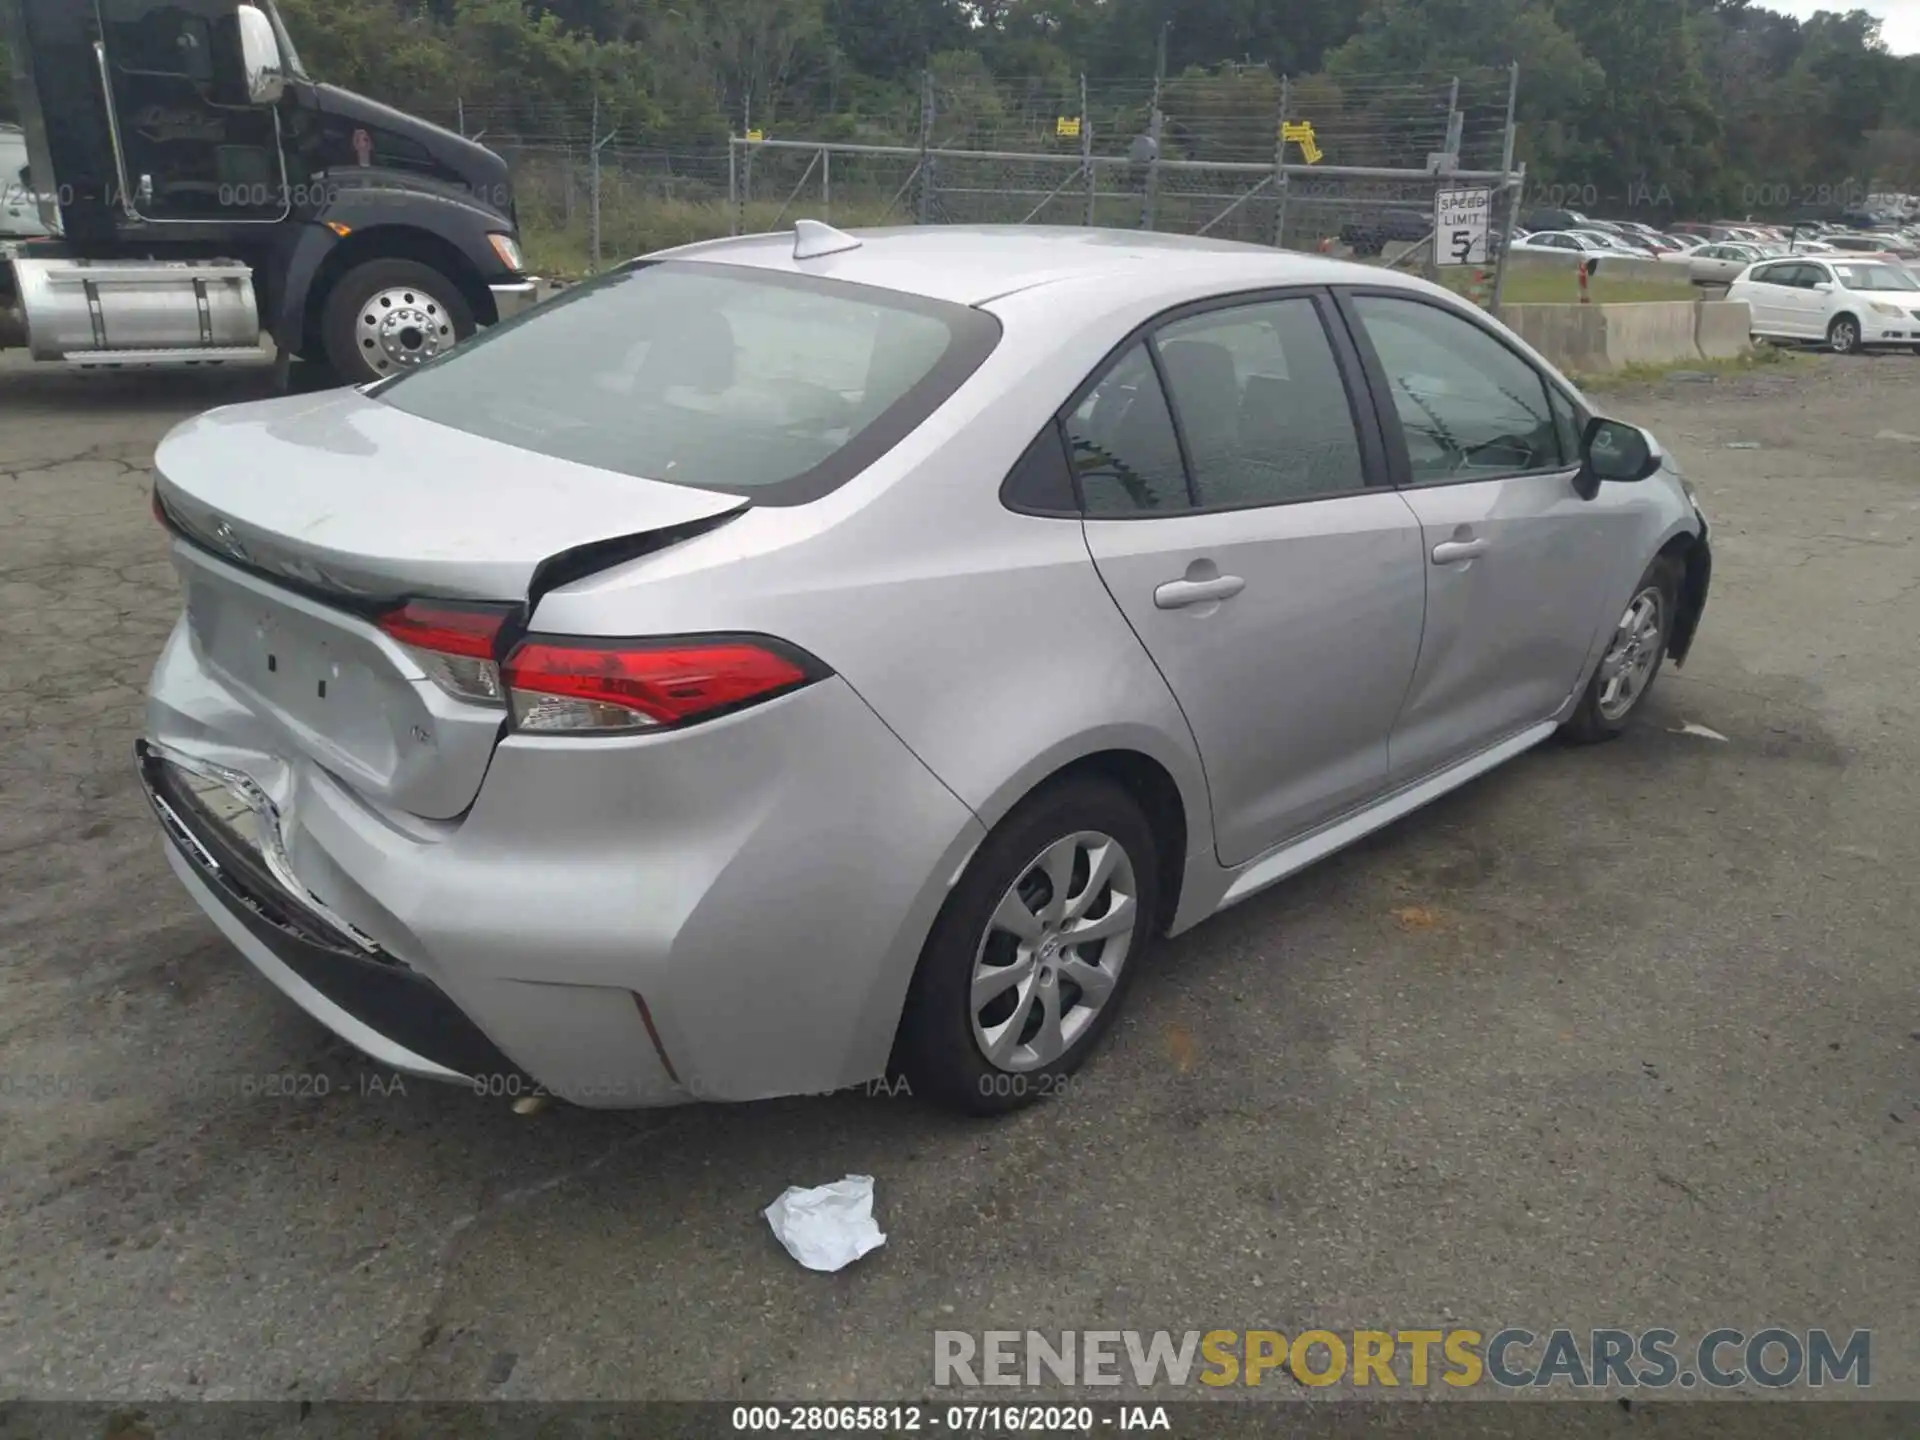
x=188 y=168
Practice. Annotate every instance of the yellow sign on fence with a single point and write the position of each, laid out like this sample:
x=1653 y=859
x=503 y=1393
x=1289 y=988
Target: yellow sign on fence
x=756 y=134
x=1067 y=127
x=1300 y=132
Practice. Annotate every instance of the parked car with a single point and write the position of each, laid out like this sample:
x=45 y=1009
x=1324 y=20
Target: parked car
x=787 y=653
x=1721 y=263
x=1608 y=241
x=1664 y=245
x=1850 y=304
x=1371 y=234
x=1685 y=248
x=1567 y=243
x=1553 y=219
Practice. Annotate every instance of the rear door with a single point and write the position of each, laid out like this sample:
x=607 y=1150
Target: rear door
x=1518 y=566
x=1248 y=532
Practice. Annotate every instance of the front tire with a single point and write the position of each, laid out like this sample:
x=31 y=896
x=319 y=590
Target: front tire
x=1032 y=954
x=1843 y=335
x=388 y=316
x=1634 y=654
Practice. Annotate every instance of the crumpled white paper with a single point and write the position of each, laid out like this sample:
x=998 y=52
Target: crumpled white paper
x=828 y=1227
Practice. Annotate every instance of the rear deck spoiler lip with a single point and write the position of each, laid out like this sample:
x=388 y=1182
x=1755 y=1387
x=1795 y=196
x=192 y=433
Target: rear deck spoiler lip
x=563 y=568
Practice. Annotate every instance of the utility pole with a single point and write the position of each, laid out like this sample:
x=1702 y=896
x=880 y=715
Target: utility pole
x=1515 y=185
x=1086 y=152
x=926 y=146
x=1281 y=182
x=1156 y=129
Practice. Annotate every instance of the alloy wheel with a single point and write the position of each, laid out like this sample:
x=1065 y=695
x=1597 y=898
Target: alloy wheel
x=1053 y=951
x=403 y=327
x=1628 y=666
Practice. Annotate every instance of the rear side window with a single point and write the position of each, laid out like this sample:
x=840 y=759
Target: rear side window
x=1125 y=452
x=1262 y=405
x=752 y=382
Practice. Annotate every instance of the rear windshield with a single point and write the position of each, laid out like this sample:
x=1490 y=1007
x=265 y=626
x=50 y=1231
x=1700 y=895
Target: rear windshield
x=753 y=382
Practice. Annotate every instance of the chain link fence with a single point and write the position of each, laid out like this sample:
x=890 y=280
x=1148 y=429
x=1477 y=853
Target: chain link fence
x=1350 y=165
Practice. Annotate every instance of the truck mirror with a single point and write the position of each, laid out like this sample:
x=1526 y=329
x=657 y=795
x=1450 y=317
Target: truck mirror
x=260 y=56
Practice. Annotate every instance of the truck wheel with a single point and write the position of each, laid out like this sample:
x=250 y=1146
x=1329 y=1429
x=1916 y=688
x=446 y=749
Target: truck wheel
x=387 y=316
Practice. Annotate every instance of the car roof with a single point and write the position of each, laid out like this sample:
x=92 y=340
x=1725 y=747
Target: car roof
x=975 y=264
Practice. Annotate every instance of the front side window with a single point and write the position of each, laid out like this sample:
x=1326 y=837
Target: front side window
x=1469 y=407
x=1262 y=405
x=1126 y=455
x=719 y=377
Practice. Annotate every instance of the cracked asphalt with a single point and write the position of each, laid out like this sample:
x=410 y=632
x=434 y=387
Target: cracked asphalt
x=1626 y=1036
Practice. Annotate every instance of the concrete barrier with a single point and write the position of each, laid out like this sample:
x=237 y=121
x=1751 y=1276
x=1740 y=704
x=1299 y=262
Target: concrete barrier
x=1573 y=337
x=1657 y=332
x=1593 y=339
x=1724 y=330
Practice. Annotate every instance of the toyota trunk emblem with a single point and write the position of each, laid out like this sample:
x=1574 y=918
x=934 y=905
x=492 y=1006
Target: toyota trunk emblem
x=227 y=540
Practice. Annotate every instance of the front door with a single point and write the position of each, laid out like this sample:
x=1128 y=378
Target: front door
x=1518 y=566
x=193 y=147
x=1260 y=556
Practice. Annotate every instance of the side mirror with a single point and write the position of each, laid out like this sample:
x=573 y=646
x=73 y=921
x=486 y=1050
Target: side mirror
x=1614 y=450
x=260 y=57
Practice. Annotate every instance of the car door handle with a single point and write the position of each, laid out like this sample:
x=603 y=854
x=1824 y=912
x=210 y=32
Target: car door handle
x=1178 y=594
x=1453 y=552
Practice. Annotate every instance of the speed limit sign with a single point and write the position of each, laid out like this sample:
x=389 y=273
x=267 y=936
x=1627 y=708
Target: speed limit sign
x=1460 y=223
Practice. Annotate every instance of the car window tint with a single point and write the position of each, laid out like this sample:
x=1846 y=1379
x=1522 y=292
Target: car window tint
x=1262 y=405
x=1467 y=404
x=1042 y=479
x=1125 y=453
x=706 y=375
x=1566 y=423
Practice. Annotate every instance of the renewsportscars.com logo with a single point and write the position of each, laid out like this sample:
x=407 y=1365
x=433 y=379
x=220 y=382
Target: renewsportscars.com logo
x=1610 y=1359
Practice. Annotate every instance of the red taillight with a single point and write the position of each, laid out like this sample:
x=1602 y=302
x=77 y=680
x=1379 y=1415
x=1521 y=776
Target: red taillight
x=570 y=687
x=454 y=644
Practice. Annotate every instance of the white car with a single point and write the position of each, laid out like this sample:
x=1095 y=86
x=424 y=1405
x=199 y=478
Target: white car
x=1618 y=244
x=1849 y=304
x=1722 y=262
x=1563 y=242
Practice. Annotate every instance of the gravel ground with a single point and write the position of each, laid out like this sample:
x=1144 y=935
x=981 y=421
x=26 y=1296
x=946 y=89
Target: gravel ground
x=1625 y=1036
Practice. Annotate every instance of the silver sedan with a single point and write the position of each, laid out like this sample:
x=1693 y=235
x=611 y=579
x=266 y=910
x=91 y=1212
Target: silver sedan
x=790 y=661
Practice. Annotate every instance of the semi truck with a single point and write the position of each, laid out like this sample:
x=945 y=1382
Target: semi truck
x=195 y=189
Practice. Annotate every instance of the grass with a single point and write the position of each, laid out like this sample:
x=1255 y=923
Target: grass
x=1554 y=287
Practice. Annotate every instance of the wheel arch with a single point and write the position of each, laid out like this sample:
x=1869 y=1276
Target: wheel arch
x=1164 y=779
x=394 y=242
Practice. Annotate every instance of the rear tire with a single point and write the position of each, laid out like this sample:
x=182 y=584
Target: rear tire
x=1006 y=1005
x=388 y=316
x=1631 y=663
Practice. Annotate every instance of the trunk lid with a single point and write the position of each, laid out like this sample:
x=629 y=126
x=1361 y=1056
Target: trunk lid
x=306 y=517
